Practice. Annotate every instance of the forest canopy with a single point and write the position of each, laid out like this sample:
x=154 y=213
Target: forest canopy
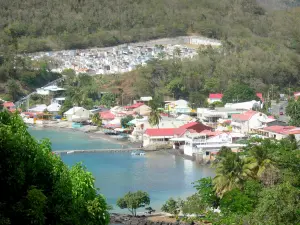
x=261 y=47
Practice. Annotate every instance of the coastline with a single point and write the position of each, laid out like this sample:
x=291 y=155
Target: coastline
x=91 y=131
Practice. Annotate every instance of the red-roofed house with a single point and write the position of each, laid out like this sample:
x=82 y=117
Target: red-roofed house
x=158 y=136
x=215 y=97
x=139 y=108
x=8 y=105
x=279 y=132
x=163 y=135
x=106 y=116
x=260 y=96
x=248 y=122
x=192 y=127
x=296 y=95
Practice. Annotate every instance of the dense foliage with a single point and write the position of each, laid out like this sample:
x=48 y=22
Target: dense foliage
x=260 y=48
x=134 y=200
x=293 y=110
x=260 y=185
x=38 y=188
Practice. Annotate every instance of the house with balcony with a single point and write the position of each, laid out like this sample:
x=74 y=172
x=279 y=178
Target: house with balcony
x=212 y=117
x=205 y=145
x=156 y=136
x=249 y=122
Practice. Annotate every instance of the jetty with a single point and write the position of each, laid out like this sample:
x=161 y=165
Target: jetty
x=96 y=150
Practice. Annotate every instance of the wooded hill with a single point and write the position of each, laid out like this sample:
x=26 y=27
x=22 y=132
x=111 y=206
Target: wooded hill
x=261 y=47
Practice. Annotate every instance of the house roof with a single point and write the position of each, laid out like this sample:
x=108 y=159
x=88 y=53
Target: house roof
x=244 y=116
x=8 y=104
x=134 y=106
x=160 y=132
x=73 y=110
x=260 y=96
x=216 y=96
x=107 y=115
x=195 y=126
x=283 y=129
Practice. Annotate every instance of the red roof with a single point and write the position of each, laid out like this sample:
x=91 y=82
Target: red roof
x=197 y=127
x=106 y=115
x=134 y=106
x=244 y=116
x=283 y=129
x=216 y=96
x=160 y=132
x=260 y=96
x=8 y=104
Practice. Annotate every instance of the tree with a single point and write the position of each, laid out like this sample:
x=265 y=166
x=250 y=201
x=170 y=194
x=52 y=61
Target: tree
x=193 y=205
x=150 y=210
x=97 y=120
x=278 y=205
x=232 y=171
x=126 y=120
x=236 y=202
x=206 y=192
x=172 y=206
x=239 y=93
x=108 y=100
x=292 y=110
x=134 y=200
x=154 y=117
x=39 y=188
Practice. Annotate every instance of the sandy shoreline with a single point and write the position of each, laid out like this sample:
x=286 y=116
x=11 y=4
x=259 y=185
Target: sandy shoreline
x=91 y=131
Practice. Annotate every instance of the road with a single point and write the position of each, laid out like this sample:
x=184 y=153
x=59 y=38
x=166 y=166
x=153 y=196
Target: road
x=24 y=99
x=276 y=110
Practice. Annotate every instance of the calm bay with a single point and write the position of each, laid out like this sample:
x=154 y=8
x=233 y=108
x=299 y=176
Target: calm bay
x=161 y=174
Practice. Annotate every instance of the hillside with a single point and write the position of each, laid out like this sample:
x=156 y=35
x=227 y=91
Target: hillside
x=278 y=4
x=261 y=47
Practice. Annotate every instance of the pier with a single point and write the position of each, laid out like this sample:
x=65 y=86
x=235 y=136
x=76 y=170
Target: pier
x=96 y=150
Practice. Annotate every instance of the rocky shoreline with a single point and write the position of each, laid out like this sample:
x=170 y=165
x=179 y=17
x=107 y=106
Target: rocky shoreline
x=125 y=219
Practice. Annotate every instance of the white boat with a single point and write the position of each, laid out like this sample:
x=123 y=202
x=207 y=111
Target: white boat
x=138 y=153
x=70 y=152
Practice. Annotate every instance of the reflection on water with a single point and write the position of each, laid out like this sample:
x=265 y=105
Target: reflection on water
x=161 y=174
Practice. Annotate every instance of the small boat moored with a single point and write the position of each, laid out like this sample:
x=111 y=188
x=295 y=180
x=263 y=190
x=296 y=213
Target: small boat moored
x=138 y=153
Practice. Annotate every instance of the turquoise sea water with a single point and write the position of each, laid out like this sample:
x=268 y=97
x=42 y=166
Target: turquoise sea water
x=161 y=174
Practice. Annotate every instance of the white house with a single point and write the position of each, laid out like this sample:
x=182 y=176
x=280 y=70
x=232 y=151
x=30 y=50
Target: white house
x=248 y=122
x=38 y=108
x=54 y=108
x=204 y=146
x=244 y=105
x=77 y=114
x=178 y=107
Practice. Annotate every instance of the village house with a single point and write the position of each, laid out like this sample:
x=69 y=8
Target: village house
x=204 y=146
x=215 y=97
x=213 y=117
x=77 y=114
x=106 y=117
x=178 y=107
x=279 y=132
x=248 y=122
x=10 y=106
x=139 y=108
x=156 y=136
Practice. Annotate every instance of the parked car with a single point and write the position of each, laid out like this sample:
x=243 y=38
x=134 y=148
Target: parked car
x=281 y=113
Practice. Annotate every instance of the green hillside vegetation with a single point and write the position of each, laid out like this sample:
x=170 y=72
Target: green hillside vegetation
x=261 y=48
x=39 y=188
x=259 y=186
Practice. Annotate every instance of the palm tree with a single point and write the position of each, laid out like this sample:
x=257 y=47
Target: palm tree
x=154 y=117
x=232 y=171
x=260 y=155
